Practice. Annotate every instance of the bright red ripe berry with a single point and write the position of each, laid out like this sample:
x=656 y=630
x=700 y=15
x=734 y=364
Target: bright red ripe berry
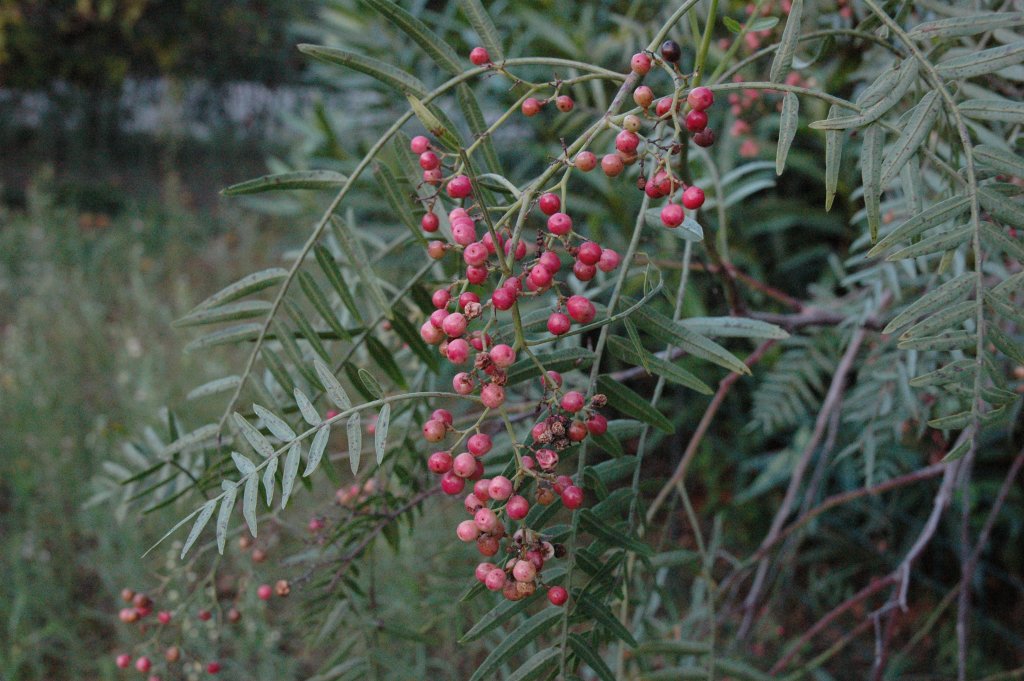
x=560 y=224
x=550 y=261
x=531 y=106
x=609 y=260
x=459 y=187
x=481 y=490
x=467 y=297
x=643 y=96
x=503 y=298
x=572 y=497
x=549 y=203
x=552 y=380
x=452 y=484
x=693 y=197
x=696 y=121
x=454 y=324
x=557 y=595
x=429 y=160
x=558 y=323
x=205 y=615
x=573 y=401
x=440 y=462
x=564 y=103
x=475 y=254
x=640 y=63
x=476 y=275
x=672 y=215
x=540 y=276
x=589 y=253
x=583 y=271
x=663 y=106
x=700 y=98
x=627 y=141
x=585 y=161
x=419 y=144
x=517 y=507
x=123 y=661
x=479 y=444
x=440 y=298
x=163 y=617
x=264 y=592
x=213 y=668
x=464 y=232
x=429 y=222
x=597 y=425
x=612 y=165
x=479 y=56
x=580 y=309
x=143 y=664
x=520 y=249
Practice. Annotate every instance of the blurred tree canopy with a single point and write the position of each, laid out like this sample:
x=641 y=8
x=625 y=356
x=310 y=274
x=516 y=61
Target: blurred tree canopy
x=98 y=43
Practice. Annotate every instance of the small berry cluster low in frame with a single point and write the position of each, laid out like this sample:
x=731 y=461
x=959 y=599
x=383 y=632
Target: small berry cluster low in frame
x=507 y=271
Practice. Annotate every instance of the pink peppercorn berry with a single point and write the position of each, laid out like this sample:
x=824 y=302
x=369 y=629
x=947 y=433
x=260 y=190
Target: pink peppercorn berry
x=123 y=661
x=557 y=595
x=700 y=98
x=264 y=592
x=479 y=56
x=558 y=323
x=693 y=198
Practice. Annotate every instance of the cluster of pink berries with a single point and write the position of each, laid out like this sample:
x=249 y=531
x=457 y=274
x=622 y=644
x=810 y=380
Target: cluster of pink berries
x=141 y=606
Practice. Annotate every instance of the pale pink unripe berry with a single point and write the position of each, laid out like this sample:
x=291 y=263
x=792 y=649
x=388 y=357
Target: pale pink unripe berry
x=609 y=260
x=558 y=323
x=549 y=203
x=123 y=660
x=440 y=298
x=463 y=383
x=524 y=571
x=452 y=484
x=547 y=459
x=467 y=531
x=486 y=520
x=436 y=318
x=454 y=324
x=560 y=224
x=442 y=415
x=700 y=98
x=528 y=463
x=672 y=215
x=580 y=309
x=479 y=56
x=464 y=232
x=540 y=276
x=482 y=570
x=464 y=465
x=589 y=253
x=627 y=141
x=128 y=615
x=583 y=272
x=459 y=187
x=640 y=63
x=472 y=503
x=481 y=489
x=492 y=395
x=502 y=355
x=500 y=488
x=585 y=161
x=612 y=165
x=475 y=254
x=517 y=507
x=693 y=197
x=457 y=351
x=573 y=401
x=495 y=579
x=264 y=592
x=440 y=462
x=436 y=249
x=419 y=144
x=643 y=96
x=433 y=431
x=432 y=176
x=479 y=444
x=572 y=497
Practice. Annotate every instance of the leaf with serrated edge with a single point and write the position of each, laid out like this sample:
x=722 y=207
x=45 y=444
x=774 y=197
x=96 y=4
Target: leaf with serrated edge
x=249 y=498
x=197 y=527
x=787 y=44
x=950 y=292
x=331 y=386
x=833 y=158
x=255 y=437
x=306 y=408
x=380 y=434
x=522 y=636
x=375 y=68
x=249 y=284
x=268 y=480
x=291 y=470
x=354 y=431
x=922 y=120
x=788 y=120
x=295 y=179
x=227 y=505
x=316 y=450
x=871 y=175
x=274 y=424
